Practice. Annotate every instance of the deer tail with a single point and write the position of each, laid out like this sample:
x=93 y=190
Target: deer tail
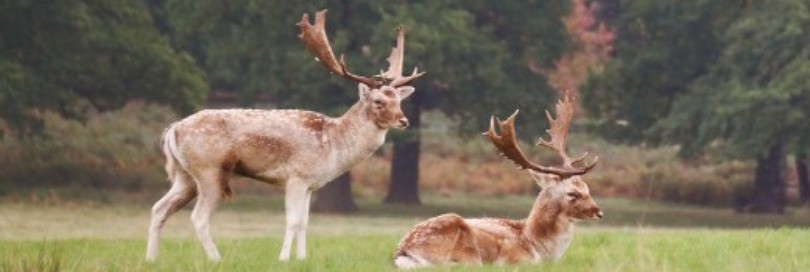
x=174 y=159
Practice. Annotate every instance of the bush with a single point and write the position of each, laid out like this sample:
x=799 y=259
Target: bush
x=713 y=184
x=452 y=165
x=658 y=173
x=119 y=151
x=111 y=150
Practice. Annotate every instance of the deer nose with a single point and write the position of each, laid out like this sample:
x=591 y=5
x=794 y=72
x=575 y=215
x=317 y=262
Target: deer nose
x=403 y=122
x=599 y=215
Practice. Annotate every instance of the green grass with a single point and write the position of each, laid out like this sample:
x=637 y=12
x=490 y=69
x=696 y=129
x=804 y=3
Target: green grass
x=637 y=236
x=592 y=250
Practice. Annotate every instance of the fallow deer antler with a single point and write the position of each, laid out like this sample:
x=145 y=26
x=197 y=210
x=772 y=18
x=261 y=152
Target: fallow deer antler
x=395 y=62
x=559 y=132
x=314 y=38
x=507 y=143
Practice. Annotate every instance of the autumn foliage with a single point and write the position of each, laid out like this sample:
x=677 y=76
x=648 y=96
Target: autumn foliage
x=593 y=42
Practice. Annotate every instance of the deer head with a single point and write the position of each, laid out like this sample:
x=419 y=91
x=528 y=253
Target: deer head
x=572 y=194
x=563 y=184
x=380 y=95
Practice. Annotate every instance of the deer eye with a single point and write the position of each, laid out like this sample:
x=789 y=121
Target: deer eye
x=574 y=195
x=378 y=102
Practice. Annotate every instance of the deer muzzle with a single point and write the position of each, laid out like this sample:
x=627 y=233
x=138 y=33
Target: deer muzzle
x=402 y=122
x=598 y=214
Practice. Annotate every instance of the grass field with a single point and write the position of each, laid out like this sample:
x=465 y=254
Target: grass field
x=636 y=236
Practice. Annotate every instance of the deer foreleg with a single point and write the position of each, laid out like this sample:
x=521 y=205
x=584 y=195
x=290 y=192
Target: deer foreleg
x=301 y=236
x=296 y=209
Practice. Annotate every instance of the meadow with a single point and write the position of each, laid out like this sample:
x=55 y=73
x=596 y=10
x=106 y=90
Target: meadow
x=636 y=235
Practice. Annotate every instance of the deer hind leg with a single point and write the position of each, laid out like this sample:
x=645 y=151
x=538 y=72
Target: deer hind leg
x=443 y=239
x=296 y=211
x=466 y=250
x=182 y=191
x=210 y=187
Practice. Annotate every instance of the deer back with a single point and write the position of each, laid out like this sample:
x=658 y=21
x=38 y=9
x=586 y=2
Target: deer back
x=274 y=145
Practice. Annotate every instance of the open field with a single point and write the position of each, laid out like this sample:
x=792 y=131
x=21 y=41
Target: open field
x=636 y=236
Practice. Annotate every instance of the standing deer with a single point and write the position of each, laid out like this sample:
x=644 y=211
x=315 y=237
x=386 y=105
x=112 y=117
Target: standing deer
x=300 y=150
x=544 y=235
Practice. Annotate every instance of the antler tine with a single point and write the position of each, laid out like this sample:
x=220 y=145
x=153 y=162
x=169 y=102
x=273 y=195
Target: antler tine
x=315 y=40
x=395 y=63
x=402 y=81
x=507 y=145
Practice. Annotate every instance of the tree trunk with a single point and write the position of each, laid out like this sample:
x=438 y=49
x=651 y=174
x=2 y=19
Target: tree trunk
x=404 y=186
x=335 y=196
x=804 y=177
x=769 y=187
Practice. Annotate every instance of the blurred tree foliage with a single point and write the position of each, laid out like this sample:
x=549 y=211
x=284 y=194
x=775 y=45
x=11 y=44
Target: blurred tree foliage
x=660 y=49
x=251 y=48
x=593 y=44
x=476 y=54
x=727 y=76
x=77 y=56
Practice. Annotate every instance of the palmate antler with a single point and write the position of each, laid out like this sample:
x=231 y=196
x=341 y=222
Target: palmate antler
x=315 y=40
x=559 y=132
x=507 y=143
x=395 y=61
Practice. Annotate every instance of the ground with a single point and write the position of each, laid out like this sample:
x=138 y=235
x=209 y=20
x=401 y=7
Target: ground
x=635 y=236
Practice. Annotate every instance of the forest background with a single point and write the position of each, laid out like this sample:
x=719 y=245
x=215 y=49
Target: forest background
x=699 y=102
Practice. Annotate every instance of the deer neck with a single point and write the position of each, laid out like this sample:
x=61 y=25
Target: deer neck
x=355 y=136
x=548 y=228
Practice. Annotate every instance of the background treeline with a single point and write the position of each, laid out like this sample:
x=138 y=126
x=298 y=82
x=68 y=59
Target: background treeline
x=690 y=101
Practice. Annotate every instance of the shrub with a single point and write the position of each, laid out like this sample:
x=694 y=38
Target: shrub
x=449 y=164
x=119 y=151
x=111 y=150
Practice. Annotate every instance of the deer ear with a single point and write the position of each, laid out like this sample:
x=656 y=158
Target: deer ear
x=405 y=91
x=544 y=180
x=364 y=91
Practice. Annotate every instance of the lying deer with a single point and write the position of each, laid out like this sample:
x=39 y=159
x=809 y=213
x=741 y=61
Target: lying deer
x=300 y=150
x=544 y=235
